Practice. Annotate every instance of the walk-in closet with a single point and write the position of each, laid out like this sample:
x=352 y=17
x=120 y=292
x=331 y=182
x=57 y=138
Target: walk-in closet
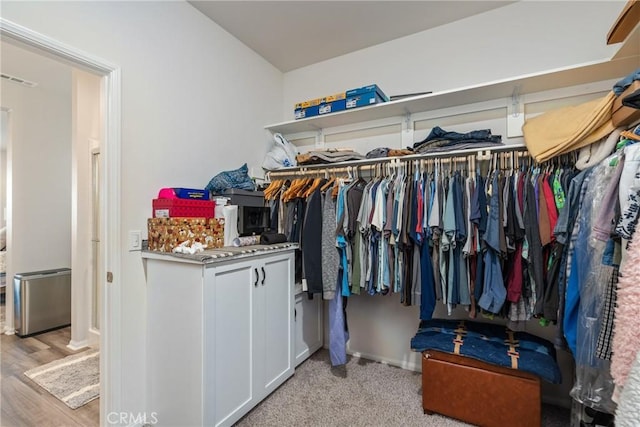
x=373 y=213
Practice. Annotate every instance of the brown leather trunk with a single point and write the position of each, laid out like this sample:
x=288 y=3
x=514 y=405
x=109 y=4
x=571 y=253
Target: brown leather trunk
x=479 y=393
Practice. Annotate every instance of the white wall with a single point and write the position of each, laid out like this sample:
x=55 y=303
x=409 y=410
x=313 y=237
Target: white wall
x=194 y=103
x=521 y=38
x=41 y=170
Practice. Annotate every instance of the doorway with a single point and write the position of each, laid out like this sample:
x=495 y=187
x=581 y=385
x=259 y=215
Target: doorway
x=109 y=218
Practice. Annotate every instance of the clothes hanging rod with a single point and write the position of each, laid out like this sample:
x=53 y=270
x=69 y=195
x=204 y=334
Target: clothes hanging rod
x=319 y=171
x=460 y=156
x=482 y=154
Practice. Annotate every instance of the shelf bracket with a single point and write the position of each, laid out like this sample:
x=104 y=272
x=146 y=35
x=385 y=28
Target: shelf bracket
x=484 y=155
x=515 y=114
x=319 y=139
x=407 y=131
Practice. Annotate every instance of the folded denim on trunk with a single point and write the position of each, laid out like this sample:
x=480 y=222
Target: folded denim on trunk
x=489 y=343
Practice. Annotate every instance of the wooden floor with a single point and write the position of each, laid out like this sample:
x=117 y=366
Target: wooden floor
x=26 y=404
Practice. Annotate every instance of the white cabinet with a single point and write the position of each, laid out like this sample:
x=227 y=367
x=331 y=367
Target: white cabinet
x=230 y=302
x=308 y=326
x=220 y=336
x=273 y=325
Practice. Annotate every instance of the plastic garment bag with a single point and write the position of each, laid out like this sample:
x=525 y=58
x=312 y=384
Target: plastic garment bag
x=593 y=386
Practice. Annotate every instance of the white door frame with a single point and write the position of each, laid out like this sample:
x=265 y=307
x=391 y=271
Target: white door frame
x=93 y=336
x=110 y=343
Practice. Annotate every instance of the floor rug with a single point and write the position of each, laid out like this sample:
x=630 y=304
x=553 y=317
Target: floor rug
x=75 y=380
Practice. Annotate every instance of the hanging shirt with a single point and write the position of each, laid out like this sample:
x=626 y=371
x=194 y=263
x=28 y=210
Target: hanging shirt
x=426 y=198
x=534 y=246
x=443 y=256
x=311 y=240
x=406 y=244
x=330 y=255
x=518 y=194
x=481 y=224
x=341 y=243
x=558 y=190
x=372 y=272
x=365 y=232
x=436 y=211
x=382 y=281
x=448 y=243
x=544 y=227
x=396 y=229
x=468 y=248
x=388 y=235
x=494 y=293
x=461 y=277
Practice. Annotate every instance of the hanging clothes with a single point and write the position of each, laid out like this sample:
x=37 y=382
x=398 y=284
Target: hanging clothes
x=494 y=292
x=341 y=242
x=311 y=241
x=588 y=277
x=330 y=256
x=467 y=226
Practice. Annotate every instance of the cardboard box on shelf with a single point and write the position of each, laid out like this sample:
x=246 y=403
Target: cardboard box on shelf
x=303 y=112
x=308 y=108
x=333 y=103
x=366 y=95
x=353 y=98
x=318 y=106
x=167 y=233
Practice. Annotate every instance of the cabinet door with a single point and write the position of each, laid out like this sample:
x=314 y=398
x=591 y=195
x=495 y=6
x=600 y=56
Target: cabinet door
x=275 y=322
x=308 y=326
x=229 y=293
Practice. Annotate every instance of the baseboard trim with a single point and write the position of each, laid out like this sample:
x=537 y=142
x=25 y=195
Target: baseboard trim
x=410 y=366
x=77 y=345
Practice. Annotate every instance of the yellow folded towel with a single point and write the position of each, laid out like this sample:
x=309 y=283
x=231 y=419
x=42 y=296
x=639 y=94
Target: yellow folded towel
x=569 y=128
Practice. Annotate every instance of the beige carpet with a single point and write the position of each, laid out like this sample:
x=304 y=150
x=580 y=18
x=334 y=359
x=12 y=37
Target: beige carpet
x=362 y=393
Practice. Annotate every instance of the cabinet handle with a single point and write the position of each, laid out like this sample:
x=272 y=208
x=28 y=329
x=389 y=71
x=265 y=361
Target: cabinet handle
x=263 y=276
x=257 y=277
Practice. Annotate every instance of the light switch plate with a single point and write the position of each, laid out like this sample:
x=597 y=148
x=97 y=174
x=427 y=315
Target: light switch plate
x=135 y=240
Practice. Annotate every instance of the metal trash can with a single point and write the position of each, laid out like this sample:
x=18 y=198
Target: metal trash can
x=42 y=301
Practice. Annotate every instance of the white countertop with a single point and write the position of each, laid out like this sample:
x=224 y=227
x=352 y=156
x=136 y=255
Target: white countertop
x=210 y=256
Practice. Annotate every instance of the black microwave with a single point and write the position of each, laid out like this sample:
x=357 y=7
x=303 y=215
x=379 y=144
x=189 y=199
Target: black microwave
x=253 y=215
x=252 y=220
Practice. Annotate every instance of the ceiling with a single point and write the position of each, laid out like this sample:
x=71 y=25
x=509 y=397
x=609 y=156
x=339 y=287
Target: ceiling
x=294 y=34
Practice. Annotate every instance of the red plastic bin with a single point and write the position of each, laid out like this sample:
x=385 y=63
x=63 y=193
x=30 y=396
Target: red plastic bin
x=186 y=208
